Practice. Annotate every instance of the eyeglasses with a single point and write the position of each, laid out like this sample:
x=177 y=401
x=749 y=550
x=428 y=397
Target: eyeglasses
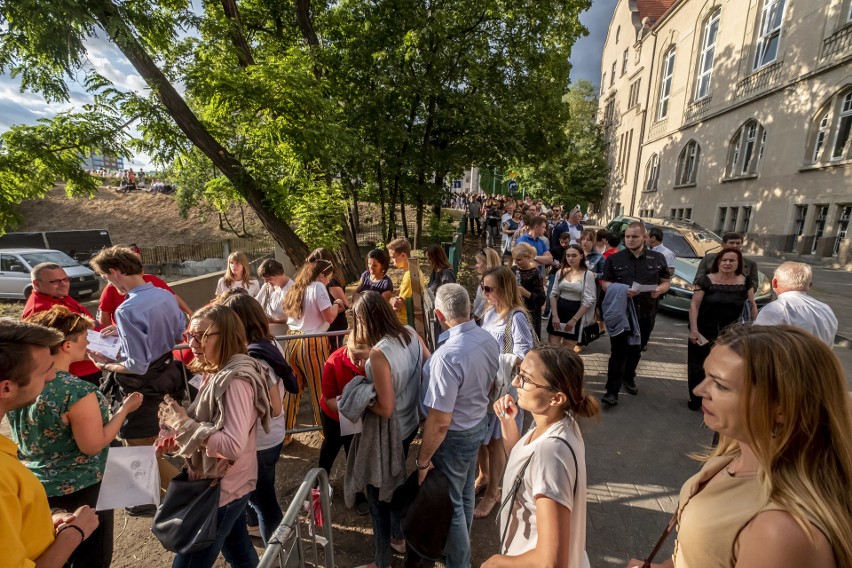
x=488 y=289
x=59 y=281
x=198 y=337
x=526 y=381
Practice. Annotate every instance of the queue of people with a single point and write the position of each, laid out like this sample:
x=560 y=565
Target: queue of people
x=782 y=468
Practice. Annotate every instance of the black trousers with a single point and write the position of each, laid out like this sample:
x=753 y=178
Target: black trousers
x=471 y=221
x=624 y=358
x=332 y=442
x=95 y=551
x=695 y=356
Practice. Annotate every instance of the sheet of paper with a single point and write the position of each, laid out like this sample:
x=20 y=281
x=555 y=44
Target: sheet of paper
x=131 y=478
x=108 y=346
x=643 y=287
x=348 y=427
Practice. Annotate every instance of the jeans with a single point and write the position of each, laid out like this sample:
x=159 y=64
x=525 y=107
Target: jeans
x=456 y=458
x=263 y=502
x=624 y=358
x=232 y=540
x=95 y=551
x=386 y=521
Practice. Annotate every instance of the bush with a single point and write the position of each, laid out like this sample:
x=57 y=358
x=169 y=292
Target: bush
x=441 y=229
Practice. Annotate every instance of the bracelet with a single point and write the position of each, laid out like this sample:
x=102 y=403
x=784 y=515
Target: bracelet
x=419 y=466
x=76 y=528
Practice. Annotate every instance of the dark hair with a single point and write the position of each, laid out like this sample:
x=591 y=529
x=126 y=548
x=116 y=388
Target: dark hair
x=563 y=370
x=325 y=254
x=732 y=236
x=120 y=258
x=718 y=258
x=270 y=267
x=532 y=221
x=251 y=314
x=656 y=233
x=579 y=249
x=437 y=258
x=374 y=319
x=16 y=342
x=380 y=256
x=64 y=321
x=612 y=239
x=601 y=234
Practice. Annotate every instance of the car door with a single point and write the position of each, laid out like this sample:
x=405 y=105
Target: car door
x=14 y=276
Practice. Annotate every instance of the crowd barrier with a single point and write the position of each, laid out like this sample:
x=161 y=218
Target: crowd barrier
x=289 y=535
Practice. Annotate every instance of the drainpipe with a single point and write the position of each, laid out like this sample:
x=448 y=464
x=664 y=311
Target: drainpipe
x=642 y=128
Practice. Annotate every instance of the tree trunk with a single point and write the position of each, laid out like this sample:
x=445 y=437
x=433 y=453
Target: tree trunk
x=110 y=20
x=402 y=214
x=439 y=191
x=418 y=227
x=381 y=183
x=349 y=255
x=355 y=215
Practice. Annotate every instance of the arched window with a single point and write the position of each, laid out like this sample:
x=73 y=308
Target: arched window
x=830 y=137
x=707 y=55
x=666 y=84
x=746 y=150
x=652 y=173
x=687 y=163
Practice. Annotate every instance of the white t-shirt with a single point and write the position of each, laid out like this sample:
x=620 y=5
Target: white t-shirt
x=316 y=300
x=272 y=299
x=551 y=474
x=252 y=287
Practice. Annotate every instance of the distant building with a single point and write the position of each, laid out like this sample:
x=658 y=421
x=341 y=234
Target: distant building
x=96 y=162
x=736 y=114
x=468 y=184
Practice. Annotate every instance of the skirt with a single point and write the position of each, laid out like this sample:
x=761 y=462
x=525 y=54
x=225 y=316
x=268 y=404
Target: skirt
x=565 y=309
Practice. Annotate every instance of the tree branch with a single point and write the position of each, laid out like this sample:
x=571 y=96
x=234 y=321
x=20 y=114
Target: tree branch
x=235 y=30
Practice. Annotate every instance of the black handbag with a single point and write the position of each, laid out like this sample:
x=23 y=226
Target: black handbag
x=186 y=520
x=589 y=333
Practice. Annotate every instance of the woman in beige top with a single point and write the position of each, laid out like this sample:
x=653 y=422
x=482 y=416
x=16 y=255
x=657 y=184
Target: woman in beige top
x=777 y=490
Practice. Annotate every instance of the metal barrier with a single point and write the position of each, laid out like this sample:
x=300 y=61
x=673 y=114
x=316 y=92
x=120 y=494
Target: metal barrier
x=288 y=535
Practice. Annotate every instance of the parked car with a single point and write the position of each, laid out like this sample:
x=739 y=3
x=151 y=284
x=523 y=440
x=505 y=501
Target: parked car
x=16 y=264
x=689 y=242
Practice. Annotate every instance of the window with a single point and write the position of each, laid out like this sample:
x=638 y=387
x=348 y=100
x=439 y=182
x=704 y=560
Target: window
x=746 y=220
x=612 y=75
x=652 y=173
x=687 y=213
x=822 y=130
x=633 y=98
x=708 y=53
x=831 y=135
x=646 y=212
x=9 y=263
x=768 y=33
x=801 y=214
x=624 y=63
x=841 y=138
x=617 y=34
x=666 y=84
x=457 y=184
x=720 y=224
x=687 y=163
x=732 y=222
x=746 y=153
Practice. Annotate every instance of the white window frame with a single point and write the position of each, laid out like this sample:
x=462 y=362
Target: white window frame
x=768 y=32
x=844 y=111
x=612 y=78
x=821 y=135
x=652 y=173
x=624 y=61
x=687 y=163
x=708 y=55
x=666 y=84
x=748 y=146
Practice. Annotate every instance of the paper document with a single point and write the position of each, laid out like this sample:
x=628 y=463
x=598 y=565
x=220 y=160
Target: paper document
x=108 y=346
x=348 y=427
x=643 y=287
x=702 y=340
x=131 y=478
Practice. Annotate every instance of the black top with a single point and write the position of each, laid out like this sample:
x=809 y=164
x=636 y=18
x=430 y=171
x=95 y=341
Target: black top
x=531 y=281
x=439 y=278
x=721 y=306
x=383 y=285
x=650 y=267
x=339 y=323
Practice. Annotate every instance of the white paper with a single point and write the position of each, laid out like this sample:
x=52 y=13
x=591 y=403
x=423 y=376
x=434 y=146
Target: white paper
x=131 y=478
x=702 y=340
x=643 y=287
x=108 y=345
x=348 y=427
x=196 y=381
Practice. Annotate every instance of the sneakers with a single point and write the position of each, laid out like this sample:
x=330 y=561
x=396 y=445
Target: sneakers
x=398 y=547
x=141 y=510
x=631 y=388
x=610 y=399
x=254 y=530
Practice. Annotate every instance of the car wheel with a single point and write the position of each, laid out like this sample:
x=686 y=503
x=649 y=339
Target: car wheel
x=27 y=291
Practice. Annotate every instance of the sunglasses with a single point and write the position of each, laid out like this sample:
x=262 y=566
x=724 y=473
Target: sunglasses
x=198 y=337
x=488 y=289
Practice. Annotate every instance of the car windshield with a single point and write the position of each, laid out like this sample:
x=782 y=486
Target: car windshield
x=677 y=244
x=56 y=257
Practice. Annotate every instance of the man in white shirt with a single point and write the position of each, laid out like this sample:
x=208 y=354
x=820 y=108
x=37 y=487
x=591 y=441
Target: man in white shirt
x=795 y=307
x=655 y=243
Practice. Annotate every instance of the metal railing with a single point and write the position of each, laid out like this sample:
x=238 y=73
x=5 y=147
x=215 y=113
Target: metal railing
x=288 y=536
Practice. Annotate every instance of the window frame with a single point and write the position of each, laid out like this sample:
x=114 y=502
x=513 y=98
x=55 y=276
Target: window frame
x=822 y=131
x=652 y=172
x=844 y=112
x=612 y=77
x=624 y=59
x=747 y=148
x=687 y=164
x=666 y=84
x=764 y=35
x=714 y=18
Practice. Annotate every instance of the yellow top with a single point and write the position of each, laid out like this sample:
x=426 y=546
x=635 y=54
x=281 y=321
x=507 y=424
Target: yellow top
x=405 y=291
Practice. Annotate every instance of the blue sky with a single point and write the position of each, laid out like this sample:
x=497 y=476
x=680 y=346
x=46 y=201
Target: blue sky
x=25 y=108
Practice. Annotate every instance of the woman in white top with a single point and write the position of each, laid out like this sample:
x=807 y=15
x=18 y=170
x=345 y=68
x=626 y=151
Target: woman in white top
x=394 y=367
x=238 y=275
x=276 y=284
x=486 y=259
x=572 y=300
x=310 y=310
x=543 y=516
x=505 y=306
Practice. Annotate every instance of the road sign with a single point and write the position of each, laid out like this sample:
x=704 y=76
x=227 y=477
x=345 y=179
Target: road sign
x=512 y=185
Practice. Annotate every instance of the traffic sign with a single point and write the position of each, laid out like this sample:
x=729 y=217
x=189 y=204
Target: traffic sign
x=512 y=185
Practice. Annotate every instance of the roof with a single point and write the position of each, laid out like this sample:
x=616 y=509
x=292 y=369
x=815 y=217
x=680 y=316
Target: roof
x=653 y=9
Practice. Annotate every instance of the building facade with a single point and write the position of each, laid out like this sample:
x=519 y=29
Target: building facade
x=736 y=114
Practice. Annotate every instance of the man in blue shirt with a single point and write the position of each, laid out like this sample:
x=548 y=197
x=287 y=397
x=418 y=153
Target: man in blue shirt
x=460 y=375
x=536 y=227
x=149 y=323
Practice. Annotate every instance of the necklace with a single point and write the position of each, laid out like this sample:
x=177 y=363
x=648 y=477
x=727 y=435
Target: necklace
x=737 y=473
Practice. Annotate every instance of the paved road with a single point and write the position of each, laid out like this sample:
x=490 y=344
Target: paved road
x=638 y=454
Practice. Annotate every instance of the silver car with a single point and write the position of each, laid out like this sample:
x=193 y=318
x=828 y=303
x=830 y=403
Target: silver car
x=16 y=264
x=689 y=242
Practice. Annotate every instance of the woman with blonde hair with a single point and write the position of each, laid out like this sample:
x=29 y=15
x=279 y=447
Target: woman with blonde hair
x=337 y=291
x=508 y=322
x=310 y=310
x=486 y=259
x=238 y=275
x=777 y=490
x=543 y=519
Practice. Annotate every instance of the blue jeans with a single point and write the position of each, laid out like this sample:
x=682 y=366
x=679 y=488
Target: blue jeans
x=456 y=458
x=232 y=540
x=263 y=502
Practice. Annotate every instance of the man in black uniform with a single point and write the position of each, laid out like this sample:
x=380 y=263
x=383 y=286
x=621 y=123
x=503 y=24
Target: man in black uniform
x=636 y=263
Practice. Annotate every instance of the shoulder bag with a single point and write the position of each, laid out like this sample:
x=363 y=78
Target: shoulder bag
x=508 y=340
x=592 y=331
x=666 y=532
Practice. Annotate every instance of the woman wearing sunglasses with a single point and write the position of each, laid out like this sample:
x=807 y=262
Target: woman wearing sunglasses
x=543 y=514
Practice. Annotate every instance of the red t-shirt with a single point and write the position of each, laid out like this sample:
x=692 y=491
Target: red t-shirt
x=39 y=302
x=111 y=298
x=609 y=252
x=336 y=374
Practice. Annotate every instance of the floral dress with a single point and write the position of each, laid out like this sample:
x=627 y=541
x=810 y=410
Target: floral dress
x=46 y=444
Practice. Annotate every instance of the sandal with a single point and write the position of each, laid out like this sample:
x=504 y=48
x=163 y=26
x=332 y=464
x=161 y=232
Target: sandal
x=478 y=489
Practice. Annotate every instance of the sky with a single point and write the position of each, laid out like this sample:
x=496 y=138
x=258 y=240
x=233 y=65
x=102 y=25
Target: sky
x=26 y=108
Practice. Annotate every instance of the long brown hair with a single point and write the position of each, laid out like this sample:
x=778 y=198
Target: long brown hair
x=805 y=459
x=563 y=370
x=251 y=314
x=232 y=337
x=295 y=298
x=242 y=259
x=507 y=292
x=325 y=254
x=437 y=258
x=374 y=320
